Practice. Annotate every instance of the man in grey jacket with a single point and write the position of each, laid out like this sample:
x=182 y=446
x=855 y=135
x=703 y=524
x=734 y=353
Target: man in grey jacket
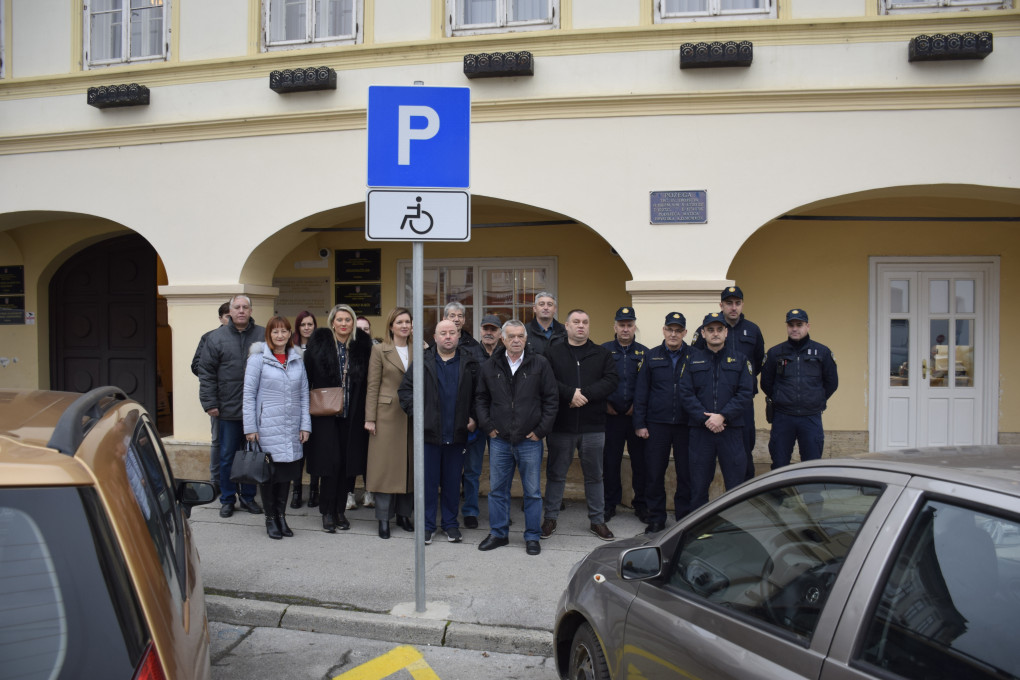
x=221 y=390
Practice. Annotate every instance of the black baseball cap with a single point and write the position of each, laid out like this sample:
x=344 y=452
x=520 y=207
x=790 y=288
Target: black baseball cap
x=796 y=315
x=732 y=291
x=491 y=320
x=676 y=319
x=625 y=314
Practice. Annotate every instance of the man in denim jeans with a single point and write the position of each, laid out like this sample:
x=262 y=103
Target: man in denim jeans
x=516 y=404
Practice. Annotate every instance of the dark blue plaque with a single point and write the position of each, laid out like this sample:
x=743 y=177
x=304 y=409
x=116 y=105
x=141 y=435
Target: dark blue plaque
x=678 y=207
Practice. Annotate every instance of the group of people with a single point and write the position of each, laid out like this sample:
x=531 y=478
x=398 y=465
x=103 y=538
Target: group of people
x=516 y=387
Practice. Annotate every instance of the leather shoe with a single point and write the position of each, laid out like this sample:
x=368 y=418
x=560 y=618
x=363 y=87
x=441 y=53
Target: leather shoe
x=655 y=527
x=384 y=528
x=227 y=510
x=602 y=531
x=533 y=547
x=340 y=520
x=548 y=528
x=470 y=522
x=405 y=523
x=328 y=525
x=492 y=542
x=296 y=501
x=251 y=506
x=313 y=498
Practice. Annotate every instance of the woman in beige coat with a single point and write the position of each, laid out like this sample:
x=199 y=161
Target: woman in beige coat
x=389 y=472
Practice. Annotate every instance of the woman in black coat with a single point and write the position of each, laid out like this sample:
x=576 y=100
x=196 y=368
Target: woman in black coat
x=338 y=354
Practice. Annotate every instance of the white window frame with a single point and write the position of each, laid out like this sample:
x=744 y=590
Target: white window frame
x=354 y=38
x=3 y=62
x=479 y=265
x=502 y=24
x=125 y=57
x=714 y=13
x=899 y=7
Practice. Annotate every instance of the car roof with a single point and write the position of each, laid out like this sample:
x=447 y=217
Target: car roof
x=39 y=434
x=995 y=467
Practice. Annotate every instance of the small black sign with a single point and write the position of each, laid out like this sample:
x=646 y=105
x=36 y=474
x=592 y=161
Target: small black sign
x=359 y=265
x=12 y=310
x=678 y=207
x=364 y=298
x=12 y=280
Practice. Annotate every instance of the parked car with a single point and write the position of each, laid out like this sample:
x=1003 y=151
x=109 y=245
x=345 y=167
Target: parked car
x=900 y=565
x=99 y=576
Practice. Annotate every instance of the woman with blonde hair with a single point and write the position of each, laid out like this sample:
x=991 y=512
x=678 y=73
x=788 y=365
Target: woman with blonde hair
x=338 y=356
x=390 y=462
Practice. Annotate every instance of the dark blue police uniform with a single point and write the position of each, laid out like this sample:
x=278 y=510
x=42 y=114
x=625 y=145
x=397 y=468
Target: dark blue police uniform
x=620 y=427
x=799 y=377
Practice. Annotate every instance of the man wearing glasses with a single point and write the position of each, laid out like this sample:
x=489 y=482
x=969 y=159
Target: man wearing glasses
x=659 y=417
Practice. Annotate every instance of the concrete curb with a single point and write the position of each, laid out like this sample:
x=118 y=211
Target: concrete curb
x=386 y=627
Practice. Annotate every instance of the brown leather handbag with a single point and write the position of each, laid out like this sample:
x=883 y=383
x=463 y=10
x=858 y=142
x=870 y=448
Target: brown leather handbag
x=326 y=401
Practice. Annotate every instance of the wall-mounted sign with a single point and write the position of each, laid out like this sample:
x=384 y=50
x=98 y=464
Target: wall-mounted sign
x=298 y=294
x=359 y=265
x=364 y=298
x=12 y=280
x=678 y=207
x=12 y=310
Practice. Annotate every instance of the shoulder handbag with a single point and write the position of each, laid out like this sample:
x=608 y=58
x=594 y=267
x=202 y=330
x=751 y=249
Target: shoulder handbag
x=251 y=465
x=328 y=401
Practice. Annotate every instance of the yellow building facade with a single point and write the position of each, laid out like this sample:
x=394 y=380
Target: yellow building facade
x=838 y=170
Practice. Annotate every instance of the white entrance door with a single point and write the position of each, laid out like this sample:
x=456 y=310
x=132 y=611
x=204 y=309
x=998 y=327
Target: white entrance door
x=934 y=333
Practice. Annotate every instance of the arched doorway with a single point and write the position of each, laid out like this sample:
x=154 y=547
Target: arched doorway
x=103 y=311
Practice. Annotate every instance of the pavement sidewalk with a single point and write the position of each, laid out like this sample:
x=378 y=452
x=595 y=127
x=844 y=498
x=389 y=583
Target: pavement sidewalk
x=354 y=583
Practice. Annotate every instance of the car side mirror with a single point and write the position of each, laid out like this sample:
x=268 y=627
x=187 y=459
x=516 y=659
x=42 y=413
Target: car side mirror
x=640 y=564
x=192 y=493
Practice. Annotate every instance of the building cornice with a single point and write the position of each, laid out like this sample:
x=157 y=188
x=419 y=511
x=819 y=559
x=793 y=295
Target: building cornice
x=657 y=37
x=502 y=110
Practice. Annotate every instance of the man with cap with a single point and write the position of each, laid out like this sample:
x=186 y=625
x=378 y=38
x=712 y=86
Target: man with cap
x=659 y=417
x=745 y=337
x=489 y=340
x=627 y=355
x=715 y=386
x=799 y=376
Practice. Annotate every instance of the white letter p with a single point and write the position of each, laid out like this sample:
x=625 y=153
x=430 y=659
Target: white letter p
x=406 y=133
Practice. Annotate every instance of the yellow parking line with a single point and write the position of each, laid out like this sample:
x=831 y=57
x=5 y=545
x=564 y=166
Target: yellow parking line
x=389 y=663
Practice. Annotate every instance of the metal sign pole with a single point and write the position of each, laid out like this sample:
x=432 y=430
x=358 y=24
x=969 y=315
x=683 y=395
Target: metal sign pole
x=418 y=375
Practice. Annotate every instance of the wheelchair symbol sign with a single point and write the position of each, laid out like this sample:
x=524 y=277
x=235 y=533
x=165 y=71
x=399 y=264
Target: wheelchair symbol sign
x=417 y=215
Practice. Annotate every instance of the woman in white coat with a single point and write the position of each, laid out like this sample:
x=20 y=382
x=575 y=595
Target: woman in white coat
x=275 y=412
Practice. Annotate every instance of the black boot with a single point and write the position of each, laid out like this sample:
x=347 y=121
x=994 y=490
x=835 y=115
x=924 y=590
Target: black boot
x=296 y=501
x=272 y=529
x=281 y=512
x=340 y=520
x=313 y=492
x=328 y=525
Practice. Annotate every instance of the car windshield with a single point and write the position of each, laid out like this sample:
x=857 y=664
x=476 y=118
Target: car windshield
x=61 y=578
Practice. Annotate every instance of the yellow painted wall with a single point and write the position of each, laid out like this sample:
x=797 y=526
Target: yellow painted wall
x=824 y=268
x=589 y=276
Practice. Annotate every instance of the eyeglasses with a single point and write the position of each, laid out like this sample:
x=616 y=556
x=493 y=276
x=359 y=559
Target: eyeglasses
x=675 y=331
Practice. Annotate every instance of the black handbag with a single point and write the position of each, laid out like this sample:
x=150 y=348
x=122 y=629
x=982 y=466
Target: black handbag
x=251 y=465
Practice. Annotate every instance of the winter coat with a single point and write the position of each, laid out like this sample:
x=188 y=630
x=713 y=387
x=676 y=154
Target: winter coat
x=337 y=448
x=537 y=339
x=221 y=368
x=276 y=402
x=464 y=407
x=711 y=383
x=657 y=393
x=594 y=372
x=516 y=404
x=628 y=361
x=390 y=451
x=799 y=377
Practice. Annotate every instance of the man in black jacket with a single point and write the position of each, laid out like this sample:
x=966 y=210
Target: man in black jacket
x=451 y=373
x=516 y=403
x=799 y=376
x=585 y=377
x=221 y=389
x=715 y=385
x=544 y=329
x=214 y=423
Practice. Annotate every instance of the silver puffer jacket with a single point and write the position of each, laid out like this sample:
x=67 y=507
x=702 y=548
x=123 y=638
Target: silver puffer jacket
x=276 y=401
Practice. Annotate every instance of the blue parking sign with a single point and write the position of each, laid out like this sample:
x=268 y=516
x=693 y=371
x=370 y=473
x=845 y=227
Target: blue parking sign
x=419 y=136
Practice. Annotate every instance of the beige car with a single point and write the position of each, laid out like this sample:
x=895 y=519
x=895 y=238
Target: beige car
x=99 y=575
x=898 y=565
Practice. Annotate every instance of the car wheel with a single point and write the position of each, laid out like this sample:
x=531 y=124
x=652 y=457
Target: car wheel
x=587 y=662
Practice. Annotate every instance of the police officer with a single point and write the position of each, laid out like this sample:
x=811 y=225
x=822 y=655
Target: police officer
x=799 y=376
x=745 y=337
x=659 y=417
x=627 y=355
x=715 y=386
